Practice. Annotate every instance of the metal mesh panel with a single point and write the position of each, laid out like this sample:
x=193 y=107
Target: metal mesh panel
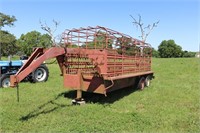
x=124 y=54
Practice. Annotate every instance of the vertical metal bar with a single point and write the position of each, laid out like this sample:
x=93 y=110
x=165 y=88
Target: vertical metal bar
x=17 y=93
x=78 y=38
x=79 y=94
x=122 y=55
x=0 y=50
x=71 y=39
x=79 y=90
x=115 y=65
x=95 y=39
x=86 y=38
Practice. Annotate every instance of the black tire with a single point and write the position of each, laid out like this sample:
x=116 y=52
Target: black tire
x=141 y=83
x=41 y=74
x=5 y=81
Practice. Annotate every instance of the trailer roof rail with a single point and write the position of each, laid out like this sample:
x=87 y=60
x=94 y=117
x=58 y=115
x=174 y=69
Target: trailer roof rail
x=100 y=37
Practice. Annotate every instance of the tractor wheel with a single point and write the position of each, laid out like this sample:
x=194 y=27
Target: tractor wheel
x=41 y=74
x=5 y=81
x=141 y=83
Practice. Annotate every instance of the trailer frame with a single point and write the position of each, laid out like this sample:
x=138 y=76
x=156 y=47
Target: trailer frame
x=95 y=59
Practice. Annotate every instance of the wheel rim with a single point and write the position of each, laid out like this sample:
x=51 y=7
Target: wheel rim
x=147 y=82
x=40 y=74
x=6 y=83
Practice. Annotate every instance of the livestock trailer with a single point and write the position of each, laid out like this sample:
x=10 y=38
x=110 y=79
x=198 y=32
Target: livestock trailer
x=95 y=59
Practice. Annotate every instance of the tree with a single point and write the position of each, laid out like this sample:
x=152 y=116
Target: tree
x=155 y=53
x=99 y=41
x=33 y=39
x=145 y=31
x=169 y=49
x=7 y=40
x=126 y=46
x=6 y=20
x=51 y=31
x=188 y=54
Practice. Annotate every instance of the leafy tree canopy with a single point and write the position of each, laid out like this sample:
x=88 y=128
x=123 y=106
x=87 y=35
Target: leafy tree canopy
x=169 y=49
x=155 y=53
x=189 y=54
x=7 y=41
x=6 y=20
x=33 y=39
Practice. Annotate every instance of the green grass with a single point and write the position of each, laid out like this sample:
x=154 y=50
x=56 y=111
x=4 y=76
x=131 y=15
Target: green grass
x=170 y=104
x=12 y=58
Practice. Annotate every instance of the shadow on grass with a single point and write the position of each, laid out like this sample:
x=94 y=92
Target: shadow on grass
x=89 y=98
x=102 y=99
x=42 y=109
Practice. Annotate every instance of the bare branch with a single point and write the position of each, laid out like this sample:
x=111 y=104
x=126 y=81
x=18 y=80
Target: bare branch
x=139 y=24
x=56 y=25
x=140 y=19
x=135 y=21
x=50 y=31
x=149 y=28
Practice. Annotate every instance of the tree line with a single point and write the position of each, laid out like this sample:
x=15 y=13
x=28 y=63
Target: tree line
x=169 y=49
x=9 y=45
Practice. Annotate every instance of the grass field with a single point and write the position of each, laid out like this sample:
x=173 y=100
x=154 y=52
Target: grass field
x=170 y=104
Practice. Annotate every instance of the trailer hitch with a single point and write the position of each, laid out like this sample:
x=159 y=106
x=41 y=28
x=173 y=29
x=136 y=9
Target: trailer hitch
x=13 y=81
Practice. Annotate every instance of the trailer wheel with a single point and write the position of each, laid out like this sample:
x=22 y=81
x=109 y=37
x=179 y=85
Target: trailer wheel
x=5 y=81
x=41 y=74
x=141 y=83
x=147 y=81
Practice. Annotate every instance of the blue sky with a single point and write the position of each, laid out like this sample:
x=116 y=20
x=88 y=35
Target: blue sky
x=179 y=19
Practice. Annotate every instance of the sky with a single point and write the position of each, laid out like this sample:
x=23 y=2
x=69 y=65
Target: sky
x=178 y=19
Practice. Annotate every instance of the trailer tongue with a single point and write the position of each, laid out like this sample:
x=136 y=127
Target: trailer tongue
x=36 y=59
x=95 y=59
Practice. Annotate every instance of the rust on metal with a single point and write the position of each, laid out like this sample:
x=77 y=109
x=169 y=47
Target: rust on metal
x=107 y=59
x=94 y=59
x=36 y=59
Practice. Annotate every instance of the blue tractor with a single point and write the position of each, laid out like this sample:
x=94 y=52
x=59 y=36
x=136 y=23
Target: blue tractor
x=8 y=68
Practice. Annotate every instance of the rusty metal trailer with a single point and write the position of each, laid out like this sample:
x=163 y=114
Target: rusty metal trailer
x=95 y=59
